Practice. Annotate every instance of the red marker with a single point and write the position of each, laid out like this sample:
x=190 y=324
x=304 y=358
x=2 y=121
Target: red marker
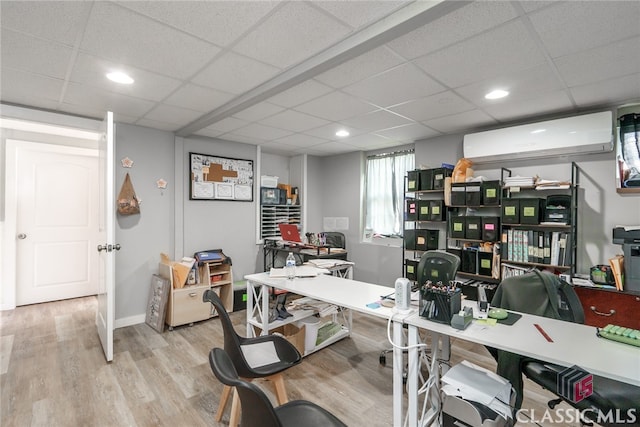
x=544 y=334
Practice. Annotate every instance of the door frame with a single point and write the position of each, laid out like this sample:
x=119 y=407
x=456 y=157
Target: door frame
x=36 y=132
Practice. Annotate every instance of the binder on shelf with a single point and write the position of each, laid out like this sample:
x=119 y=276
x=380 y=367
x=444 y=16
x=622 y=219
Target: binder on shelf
x=547 y=248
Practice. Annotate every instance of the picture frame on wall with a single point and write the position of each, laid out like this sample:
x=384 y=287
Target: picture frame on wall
x=220 y=178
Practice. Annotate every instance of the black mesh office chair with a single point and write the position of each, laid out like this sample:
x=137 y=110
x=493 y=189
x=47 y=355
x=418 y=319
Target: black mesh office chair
x=544 y=294
x=335 y=239
x=257 y=410
x=265 y=356
x=435 y=266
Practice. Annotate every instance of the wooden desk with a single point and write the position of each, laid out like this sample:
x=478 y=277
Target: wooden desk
x=573 y=344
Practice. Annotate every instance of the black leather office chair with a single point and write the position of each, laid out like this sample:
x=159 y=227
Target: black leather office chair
x=257 y=410
x=435 y=266
x=335 y=239
x=265 y=356
x=544 y=294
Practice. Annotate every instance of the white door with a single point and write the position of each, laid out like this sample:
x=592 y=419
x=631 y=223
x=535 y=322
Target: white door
x=56 y=222
x=106 y=247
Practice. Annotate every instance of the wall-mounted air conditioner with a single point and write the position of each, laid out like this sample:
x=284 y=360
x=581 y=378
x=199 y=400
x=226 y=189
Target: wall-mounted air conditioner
x=588 y=133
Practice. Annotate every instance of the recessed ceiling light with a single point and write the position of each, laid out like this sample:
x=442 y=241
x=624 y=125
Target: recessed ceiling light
x=120 y=77
x=342 y=133
x=496 y=94
x=538 y=131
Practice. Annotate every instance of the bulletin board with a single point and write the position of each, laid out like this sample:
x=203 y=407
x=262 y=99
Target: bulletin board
x=220 y=178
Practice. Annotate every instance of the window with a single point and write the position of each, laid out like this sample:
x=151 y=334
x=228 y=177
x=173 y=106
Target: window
x=384 y=199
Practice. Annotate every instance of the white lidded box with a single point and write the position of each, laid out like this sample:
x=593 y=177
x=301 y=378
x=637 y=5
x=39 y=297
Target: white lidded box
x=268 y=181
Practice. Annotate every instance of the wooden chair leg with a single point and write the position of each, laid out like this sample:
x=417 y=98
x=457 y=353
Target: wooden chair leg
x=281 y=392
x=223 y=402
x=234 y=418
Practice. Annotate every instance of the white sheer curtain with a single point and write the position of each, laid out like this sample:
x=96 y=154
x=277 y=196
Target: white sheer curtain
x=385 y=191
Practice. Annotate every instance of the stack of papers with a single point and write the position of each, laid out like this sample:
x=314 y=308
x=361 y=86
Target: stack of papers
x=329 y=263
x=476 y=384
x=519 y=181
x=548 y=184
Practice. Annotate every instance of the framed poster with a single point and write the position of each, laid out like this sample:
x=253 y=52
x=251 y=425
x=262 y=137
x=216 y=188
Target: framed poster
x=220 y=178
x=157 y=305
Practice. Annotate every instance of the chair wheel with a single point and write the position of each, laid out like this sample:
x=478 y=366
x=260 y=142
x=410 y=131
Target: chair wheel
x=383 y=359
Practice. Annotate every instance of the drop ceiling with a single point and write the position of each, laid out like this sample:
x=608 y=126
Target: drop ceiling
x=286 y=75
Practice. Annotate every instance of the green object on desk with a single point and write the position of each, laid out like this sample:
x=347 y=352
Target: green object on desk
x=487 y=322
x=620 y=334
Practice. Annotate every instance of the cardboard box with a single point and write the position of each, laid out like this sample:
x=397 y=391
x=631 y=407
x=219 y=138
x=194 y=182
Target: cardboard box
x=180 y=269
x=292 y=333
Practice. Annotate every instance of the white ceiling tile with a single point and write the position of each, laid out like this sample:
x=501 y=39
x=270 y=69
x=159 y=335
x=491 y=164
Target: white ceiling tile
x=92 y=71
x=258 y=111
x=96 y=113
x=300 y=93
x=198 y=98
x=461 y=121
x=55 y=20
x=430 y=107
x=35 y=55
x=292 y=33
x=171 y=114
x=241 y=138
x=157 y=124
x=261 y=132
x=521 y=85
x=359 y=13
x=220 y=22
x=208 y=132
x=360 y=67
x=595 y=65
x=328 y=132
x=300 y=140
x=234 y=73
x=336 y=106
x=408 y=133
x=609 y=92
x=333 y=147
x=548 y=102
x=117 y=34
x=565 y=28
x=376 y=120
x=29 y=89
x=102 y=100
x=503 y=50
x=228 y=124
x=294 y=121
x=397 y=85
x=368 y=141
x=460 y=24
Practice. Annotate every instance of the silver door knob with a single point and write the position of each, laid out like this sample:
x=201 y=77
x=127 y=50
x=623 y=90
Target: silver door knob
x=102 y=248
x=22 y=236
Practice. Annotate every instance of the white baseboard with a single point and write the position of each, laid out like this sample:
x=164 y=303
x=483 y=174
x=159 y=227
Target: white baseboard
x=130 y=321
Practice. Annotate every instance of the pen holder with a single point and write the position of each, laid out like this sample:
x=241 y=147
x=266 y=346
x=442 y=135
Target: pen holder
x=440 y=303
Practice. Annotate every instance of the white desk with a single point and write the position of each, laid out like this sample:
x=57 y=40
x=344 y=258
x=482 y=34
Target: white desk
x=573 y=344
x=349 y=294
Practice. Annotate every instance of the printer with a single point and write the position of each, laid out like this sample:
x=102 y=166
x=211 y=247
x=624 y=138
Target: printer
x=629 y=238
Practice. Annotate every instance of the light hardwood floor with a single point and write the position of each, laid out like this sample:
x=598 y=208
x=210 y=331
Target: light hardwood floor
x=53 y=372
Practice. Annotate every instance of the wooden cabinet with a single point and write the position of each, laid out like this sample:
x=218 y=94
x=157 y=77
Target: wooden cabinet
x=185 y=305
x=603 y=306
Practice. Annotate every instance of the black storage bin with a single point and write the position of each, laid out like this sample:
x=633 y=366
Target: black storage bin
x=456 y=227
x=424 y=213
x=469 y=261
x=473 y=194
x=470 y=290
x=473 y=228
x=411 y=209
x=239 y=298
x=437 y=210
x=410 y=240
x=558 y=209
x=458 y=194
x=411 y=269
x=531 y=210
x=426 y=179
x=413 y=180
x=485 y=262
x=490 y=193
x=510 y=211
x=426 y=239
x=440 y=303
x=490 y=228
x=439 y=174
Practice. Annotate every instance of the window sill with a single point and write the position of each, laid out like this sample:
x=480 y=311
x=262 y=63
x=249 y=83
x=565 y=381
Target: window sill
x=394 y=242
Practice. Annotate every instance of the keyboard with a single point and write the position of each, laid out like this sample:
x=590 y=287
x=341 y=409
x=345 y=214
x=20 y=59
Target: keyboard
x=620 y=334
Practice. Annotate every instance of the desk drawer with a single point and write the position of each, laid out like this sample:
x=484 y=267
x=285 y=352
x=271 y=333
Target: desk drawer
x=186 y=306
x=603 y=306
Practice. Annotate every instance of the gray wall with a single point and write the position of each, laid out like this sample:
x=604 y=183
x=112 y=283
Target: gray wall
x=143 y=237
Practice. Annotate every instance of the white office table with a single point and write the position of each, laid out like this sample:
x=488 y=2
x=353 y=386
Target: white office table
x=573 y=344
x=349 y=294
